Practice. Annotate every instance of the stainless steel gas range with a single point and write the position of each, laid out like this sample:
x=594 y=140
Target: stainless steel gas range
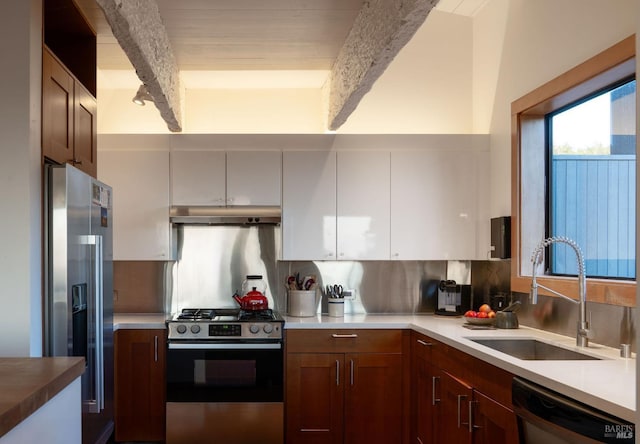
x=225 y=376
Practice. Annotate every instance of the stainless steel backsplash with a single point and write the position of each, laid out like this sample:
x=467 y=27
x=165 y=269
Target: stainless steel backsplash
x=611 y=325
x=213 y=262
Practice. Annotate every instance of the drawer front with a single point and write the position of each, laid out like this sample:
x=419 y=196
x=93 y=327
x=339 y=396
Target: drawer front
x=421 y=346
x=453 y=361
x=343 y=341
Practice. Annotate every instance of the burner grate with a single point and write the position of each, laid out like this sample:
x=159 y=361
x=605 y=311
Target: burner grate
x=195 y=314
x=225 y=314
x=258 y=315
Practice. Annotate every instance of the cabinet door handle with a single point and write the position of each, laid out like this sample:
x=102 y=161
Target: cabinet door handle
x=433 y=390
x=155 y=348
x=460 y=398
x=471 y=425
x=337 y=372
x=426 y=344
x=351 y=372
x=344 y=336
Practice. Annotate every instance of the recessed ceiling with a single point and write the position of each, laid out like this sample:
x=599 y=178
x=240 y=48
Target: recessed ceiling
x=239 y=35
x=350 y=42
x=209 y=35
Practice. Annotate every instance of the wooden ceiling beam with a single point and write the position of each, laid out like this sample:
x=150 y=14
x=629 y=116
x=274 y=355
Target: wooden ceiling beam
x=137 y=26
x=381 y=29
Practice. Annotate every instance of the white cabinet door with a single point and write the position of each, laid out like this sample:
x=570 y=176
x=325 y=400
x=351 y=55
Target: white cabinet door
x=140 y=182
x=363 y=192
x=433 y=204
x=198 y=178
x=309 y=205
x=254 y=178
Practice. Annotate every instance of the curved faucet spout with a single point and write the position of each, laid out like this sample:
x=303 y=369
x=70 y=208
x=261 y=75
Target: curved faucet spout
x=582 y=334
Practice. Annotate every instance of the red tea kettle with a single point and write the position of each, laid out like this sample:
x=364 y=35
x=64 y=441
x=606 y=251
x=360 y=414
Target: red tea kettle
x=254 y=300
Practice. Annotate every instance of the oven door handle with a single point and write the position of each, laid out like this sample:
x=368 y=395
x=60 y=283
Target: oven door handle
x=223 y=346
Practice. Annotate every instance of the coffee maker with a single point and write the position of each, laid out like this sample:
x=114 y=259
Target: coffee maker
x=453 y=299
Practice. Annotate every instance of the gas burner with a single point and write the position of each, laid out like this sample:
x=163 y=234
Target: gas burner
x=258 y=315
x=196 y=314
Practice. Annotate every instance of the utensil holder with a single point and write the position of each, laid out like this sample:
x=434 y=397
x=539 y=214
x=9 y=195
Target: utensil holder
x=336 y=307
x=303 y=303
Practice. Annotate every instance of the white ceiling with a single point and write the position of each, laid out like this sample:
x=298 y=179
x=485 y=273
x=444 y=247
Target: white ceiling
x=245 y=43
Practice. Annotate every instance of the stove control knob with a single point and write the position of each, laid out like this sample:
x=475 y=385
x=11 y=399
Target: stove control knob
x=254 y=329
x=195 y=329
x=181 y=329
x=268 y=328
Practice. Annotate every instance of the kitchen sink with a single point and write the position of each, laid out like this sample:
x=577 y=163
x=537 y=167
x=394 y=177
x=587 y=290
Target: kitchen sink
x=532 y=349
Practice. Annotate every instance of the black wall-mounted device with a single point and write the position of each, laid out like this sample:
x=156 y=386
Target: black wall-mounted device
x=501 y=237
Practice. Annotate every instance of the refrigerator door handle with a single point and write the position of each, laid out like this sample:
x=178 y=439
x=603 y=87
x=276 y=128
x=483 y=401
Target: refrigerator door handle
x=98 y=275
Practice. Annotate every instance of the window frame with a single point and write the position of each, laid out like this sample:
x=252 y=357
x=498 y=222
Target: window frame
x=528 y=216
x=549 y=168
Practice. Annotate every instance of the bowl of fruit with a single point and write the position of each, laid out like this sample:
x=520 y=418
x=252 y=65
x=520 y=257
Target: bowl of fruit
x=484 y=316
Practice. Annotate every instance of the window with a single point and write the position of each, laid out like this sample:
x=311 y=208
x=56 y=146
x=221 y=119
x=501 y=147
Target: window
x=592 y=179
x=538 y=199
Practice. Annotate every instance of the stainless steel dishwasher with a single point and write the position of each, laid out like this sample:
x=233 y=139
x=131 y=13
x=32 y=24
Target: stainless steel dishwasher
x=548 y=417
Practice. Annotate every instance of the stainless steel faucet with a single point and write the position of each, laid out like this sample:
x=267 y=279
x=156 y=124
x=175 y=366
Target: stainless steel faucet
x=582 y=333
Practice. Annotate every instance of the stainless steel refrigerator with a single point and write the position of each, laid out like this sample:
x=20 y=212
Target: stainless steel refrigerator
x=79 y=287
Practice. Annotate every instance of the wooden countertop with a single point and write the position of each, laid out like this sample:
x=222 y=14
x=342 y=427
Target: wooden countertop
x=26 y=384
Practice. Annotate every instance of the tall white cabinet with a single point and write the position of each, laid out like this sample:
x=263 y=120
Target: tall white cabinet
x=309 y=205
x=140 y=181
x=335 y=205
x=363 y=198
x=434 y=204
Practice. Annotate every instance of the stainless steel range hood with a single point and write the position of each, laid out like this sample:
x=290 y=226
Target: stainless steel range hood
x=246 y=215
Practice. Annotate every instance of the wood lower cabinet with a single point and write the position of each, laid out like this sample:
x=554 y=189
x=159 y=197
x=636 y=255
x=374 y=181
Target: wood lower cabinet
x=140 y=385
x=314 y=397
x=493 y=423
x=457 y=398
x=453 y=421
x=373 y=398
x=345 y=386
x=69 y=117
x=424 y=402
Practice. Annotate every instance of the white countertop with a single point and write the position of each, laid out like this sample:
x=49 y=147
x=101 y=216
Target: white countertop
x=131 y=321
x=607 y=384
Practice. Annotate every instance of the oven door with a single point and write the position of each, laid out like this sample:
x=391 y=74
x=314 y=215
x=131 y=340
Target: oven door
x=224 y=372
x=227 y=392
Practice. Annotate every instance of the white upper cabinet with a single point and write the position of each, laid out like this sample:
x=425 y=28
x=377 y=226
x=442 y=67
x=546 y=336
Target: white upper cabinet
x=140 y=182
x=216 y=178
x=254 y=178
x=309 y=205
x=198 y=178
x=363 y=198
x=434 y=204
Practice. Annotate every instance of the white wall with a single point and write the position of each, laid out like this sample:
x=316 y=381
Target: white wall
x=20 y=183
x=215 y=111
x=541 y=40
x=427 y=87
x=254 y=111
